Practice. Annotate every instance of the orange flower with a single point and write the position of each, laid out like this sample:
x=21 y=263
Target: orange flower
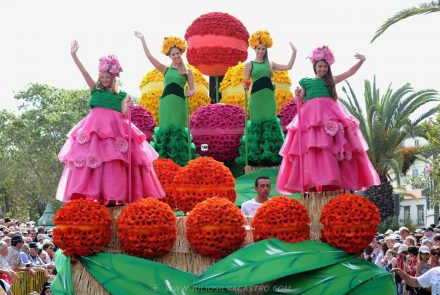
x=82 y=227
x=201 y=179
x=282 y=218
x=147 y=228
x=350 y=222
x=215 y=228
x=166 y=169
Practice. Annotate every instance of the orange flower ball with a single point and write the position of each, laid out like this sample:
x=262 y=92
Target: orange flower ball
x=350 y=222
x=282 y=218
x=215 y=228
x=166 y=169
x=147 y=228
x=201 y=179
x=82 y=227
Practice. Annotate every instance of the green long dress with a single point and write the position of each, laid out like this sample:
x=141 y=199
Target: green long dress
x=170 y=139
x=265 y=136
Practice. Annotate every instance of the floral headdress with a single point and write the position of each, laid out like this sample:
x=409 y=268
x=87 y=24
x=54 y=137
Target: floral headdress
x=260 y=37
x=173 y=41
x=322 y=53
x=110 y=64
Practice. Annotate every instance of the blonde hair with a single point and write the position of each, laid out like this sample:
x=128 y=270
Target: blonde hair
x=182 y=70
x=114 y=88
x=266 y=60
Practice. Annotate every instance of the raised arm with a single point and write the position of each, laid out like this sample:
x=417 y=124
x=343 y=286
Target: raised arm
x=157 y=64
x=409 y=280
x=73 y=49
x=289 y=66
x=352 y=70
x=190 y=80
x=247 y=76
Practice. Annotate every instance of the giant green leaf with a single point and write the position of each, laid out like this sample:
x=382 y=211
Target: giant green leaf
x=382 y=284
x=338 y=278
x=62 y=283
x=268 y=260
x=245 y=185
x=123 y=274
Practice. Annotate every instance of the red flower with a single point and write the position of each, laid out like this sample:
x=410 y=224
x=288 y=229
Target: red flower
x=165 y=170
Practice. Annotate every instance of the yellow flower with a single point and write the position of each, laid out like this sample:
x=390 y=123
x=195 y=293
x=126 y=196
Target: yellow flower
x=173 y=41
x=260 y=37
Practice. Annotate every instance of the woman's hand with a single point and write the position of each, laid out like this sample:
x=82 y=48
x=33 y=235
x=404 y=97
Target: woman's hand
x=139 y=35
x=246 y=85
x=292 y=46
x=189 y=92
x=359 y=56
x=74 y=47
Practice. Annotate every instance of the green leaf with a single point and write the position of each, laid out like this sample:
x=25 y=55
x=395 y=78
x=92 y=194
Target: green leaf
x=382 y=284
x=335 y=279
x=123 y=274
x=268 y=260
x=63 y=284
x=245 y=185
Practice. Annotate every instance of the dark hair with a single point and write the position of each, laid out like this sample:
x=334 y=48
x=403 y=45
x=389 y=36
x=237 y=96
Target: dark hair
x=260 y=177
x=45 y=287
x=436 y=237
x=328 y=79
x=413 y=250
x=7 y=219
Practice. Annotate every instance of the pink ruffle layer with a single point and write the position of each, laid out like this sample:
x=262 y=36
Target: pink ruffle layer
x=333 y=151
x=96 y=161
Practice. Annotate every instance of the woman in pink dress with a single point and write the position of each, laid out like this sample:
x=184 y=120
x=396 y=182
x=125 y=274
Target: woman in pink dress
x=332 y=147
x=96 y=153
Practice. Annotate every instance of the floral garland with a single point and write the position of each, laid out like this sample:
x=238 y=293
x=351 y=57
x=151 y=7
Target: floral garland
x=287 y=113
x=82 y=227
x=221 y=127
x=350 y=222
x=234 y=76
x=150 y=98
x=215 y=228
x=217 y=23
x=165 y=170
x=201 y=179
x=173 y=41
x=110 y=64
x=147 y=228
x=143 y=120
x=260 y=37
x=282 y=218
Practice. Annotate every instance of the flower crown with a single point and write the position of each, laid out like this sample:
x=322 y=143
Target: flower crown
x=173 y=41
x=260 y=37
x=110 y=64
x=322 y=53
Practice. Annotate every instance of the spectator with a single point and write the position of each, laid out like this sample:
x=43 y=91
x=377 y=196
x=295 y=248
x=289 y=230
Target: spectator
x=40 y=240
x=7 y=240
x=34 y=255
x=6 y=272
x=389 y=240
x=14 y=259
x=44 y=255
x=426 y=242
x=436 y=239
x=411 y=264
x=404 y=233
x=428 y=234
x=262 y=187
x=422 y=265
x=435 y=256
x=46 y=290
x=430 y=279
x=410 y=241
x=33 y=235
x=387 y=261
x=402 y=252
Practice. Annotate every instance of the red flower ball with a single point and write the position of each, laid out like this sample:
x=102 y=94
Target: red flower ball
x=143 y=120
x=216 y=41
x=147 y=228
x=215 y=228
x=287 y=113
x=82 y=227
x=350 y=222
x=219 y=127
x=165 y=170
x=282 y=218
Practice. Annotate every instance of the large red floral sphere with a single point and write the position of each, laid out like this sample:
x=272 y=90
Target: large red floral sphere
x=288 y=112
x=350 y=222
x=143 y=120
x=147 y=228
x=217 y=129
x=201 y=179
x=215 y=228
x=216 y=41
x=282 y=218
x=82 y=227
x=165 y=170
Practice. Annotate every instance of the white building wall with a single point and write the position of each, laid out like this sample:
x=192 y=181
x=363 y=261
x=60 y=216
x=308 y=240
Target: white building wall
x=412 y=203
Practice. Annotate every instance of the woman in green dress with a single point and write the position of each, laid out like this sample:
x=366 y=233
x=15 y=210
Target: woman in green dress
x=264 y=133
x=171 y=137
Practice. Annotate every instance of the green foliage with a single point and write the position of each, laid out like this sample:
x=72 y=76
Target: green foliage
x=432 y=130
x=424 y=8
x=389 y=223
x=29 y=143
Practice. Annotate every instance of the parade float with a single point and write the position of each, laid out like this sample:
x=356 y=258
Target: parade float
x=196 y=240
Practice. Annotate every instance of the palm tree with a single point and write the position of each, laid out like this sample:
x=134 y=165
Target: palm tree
x=423 y=8
x=385 y=123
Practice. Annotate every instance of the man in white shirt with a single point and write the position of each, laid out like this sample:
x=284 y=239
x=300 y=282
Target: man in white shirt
x=262 y=187
x=430 y=279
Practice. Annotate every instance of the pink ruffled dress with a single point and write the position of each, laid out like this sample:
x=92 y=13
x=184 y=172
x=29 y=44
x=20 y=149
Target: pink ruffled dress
x=95 y=156
x=333 y=148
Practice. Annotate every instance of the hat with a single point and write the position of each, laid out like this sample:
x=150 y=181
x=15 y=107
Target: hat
x=424 y=249
x=380 y=237
x=403 y=228
x=419 y=231
x=396 y=245
x=388 y=232
x=33 y=245
x=402 y=248
x=397 y=237
x=16 y=239
x=41 y=237
x=430 y=229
